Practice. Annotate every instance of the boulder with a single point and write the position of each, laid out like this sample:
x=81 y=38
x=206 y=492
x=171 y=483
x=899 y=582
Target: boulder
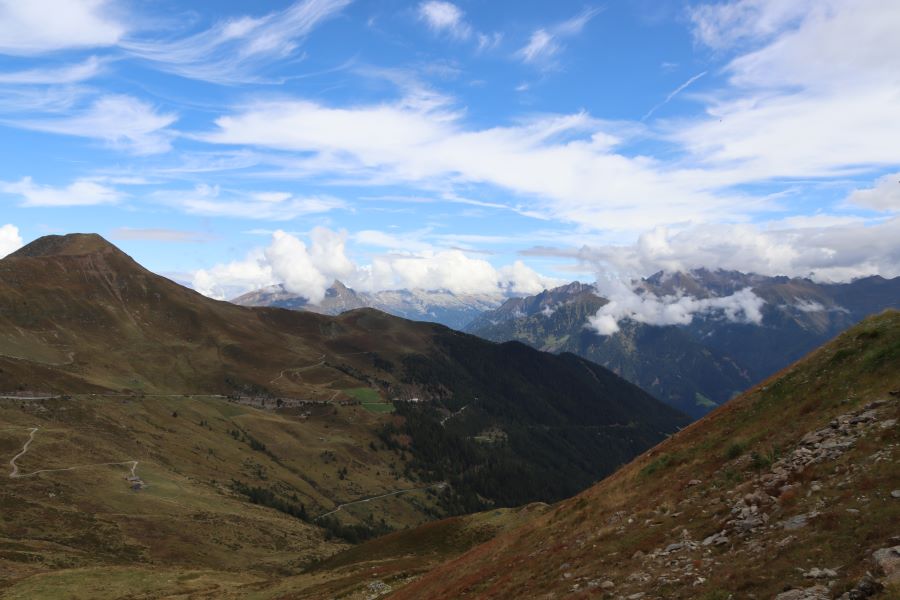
x=888 y=562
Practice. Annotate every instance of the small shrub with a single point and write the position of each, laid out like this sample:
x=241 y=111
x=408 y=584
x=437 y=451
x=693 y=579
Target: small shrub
x=735 y=450
x=788 y=497
x=657 y=465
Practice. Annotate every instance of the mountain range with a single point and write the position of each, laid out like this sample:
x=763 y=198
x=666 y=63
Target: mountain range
x=701 y=365
x=436 y=306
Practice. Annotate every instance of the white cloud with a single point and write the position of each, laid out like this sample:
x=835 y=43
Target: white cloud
x=445 y=17
x=10 y=240
x=121 y=121
x=75 y=73
x=566 y=164
x=211 y=200
x=234 y=50
x=30 y=27
x=672 y=94
x=293 y=265
x=545 y=42
x=308 y=270
x=520 y=279
x=884 y=196
x=625 y=304
x=816 y=95
x=302 y=269
x=726 y=24
x=834 y=252
x=81 y=192
x=541 y=45
x=232 y=279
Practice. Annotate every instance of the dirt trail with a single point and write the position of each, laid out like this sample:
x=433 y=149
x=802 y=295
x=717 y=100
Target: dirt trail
x=346 y=504
x=15 y=474
x=295 y=369
x=12 y=462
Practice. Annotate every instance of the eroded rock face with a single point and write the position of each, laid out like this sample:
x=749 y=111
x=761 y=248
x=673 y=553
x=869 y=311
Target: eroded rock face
x=816 y=592
x=866 y=588
x=887 y=560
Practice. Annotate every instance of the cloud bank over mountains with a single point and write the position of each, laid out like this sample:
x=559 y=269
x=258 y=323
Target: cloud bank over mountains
x=309 y=269
x=624 y=303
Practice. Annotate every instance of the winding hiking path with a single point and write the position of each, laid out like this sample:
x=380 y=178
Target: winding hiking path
x=296 y=369
x=14 y=473
x=346 y=504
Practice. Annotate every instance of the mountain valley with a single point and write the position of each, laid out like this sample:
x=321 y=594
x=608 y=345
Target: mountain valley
x=698 y=366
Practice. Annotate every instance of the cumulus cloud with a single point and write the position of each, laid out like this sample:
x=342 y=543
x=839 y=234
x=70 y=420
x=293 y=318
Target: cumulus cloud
x=883 y=196
x=10 y=240
x=625 y=304
x=38 y=26
x=520 y=279
x=308 y=270
x=81 y=192
x=121 y=121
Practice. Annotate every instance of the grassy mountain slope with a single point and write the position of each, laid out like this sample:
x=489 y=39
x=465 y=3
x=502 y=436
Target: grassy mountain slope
x=788 y=486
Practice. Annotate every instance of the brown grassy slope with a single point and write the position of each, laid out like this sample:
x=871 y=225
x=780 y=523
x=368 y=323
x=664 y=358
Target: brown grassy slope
x=188 y=517
x=619 y=530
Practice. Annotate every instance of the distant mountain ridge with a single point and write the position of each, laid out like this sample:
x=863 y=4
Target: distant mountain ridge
x=698 y=366
x=436 y=306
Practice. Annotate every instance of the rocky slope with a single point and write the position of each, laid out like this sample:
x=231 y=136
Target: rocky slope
x=699 y=366
x=791 y=491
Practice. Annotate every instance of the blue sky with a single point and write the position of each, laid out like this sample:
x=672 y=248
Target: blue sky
x=488 y=147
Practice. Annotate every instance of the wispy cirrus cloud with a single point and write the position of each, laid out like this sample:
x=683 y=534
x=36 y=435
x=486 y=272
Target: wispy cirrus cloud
x=567 y=166
x=234 y=51
x=546 y=42
x=81 y=192
x=74 y=73
x=212 y=200
x=446 y=18
x=120 y=121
